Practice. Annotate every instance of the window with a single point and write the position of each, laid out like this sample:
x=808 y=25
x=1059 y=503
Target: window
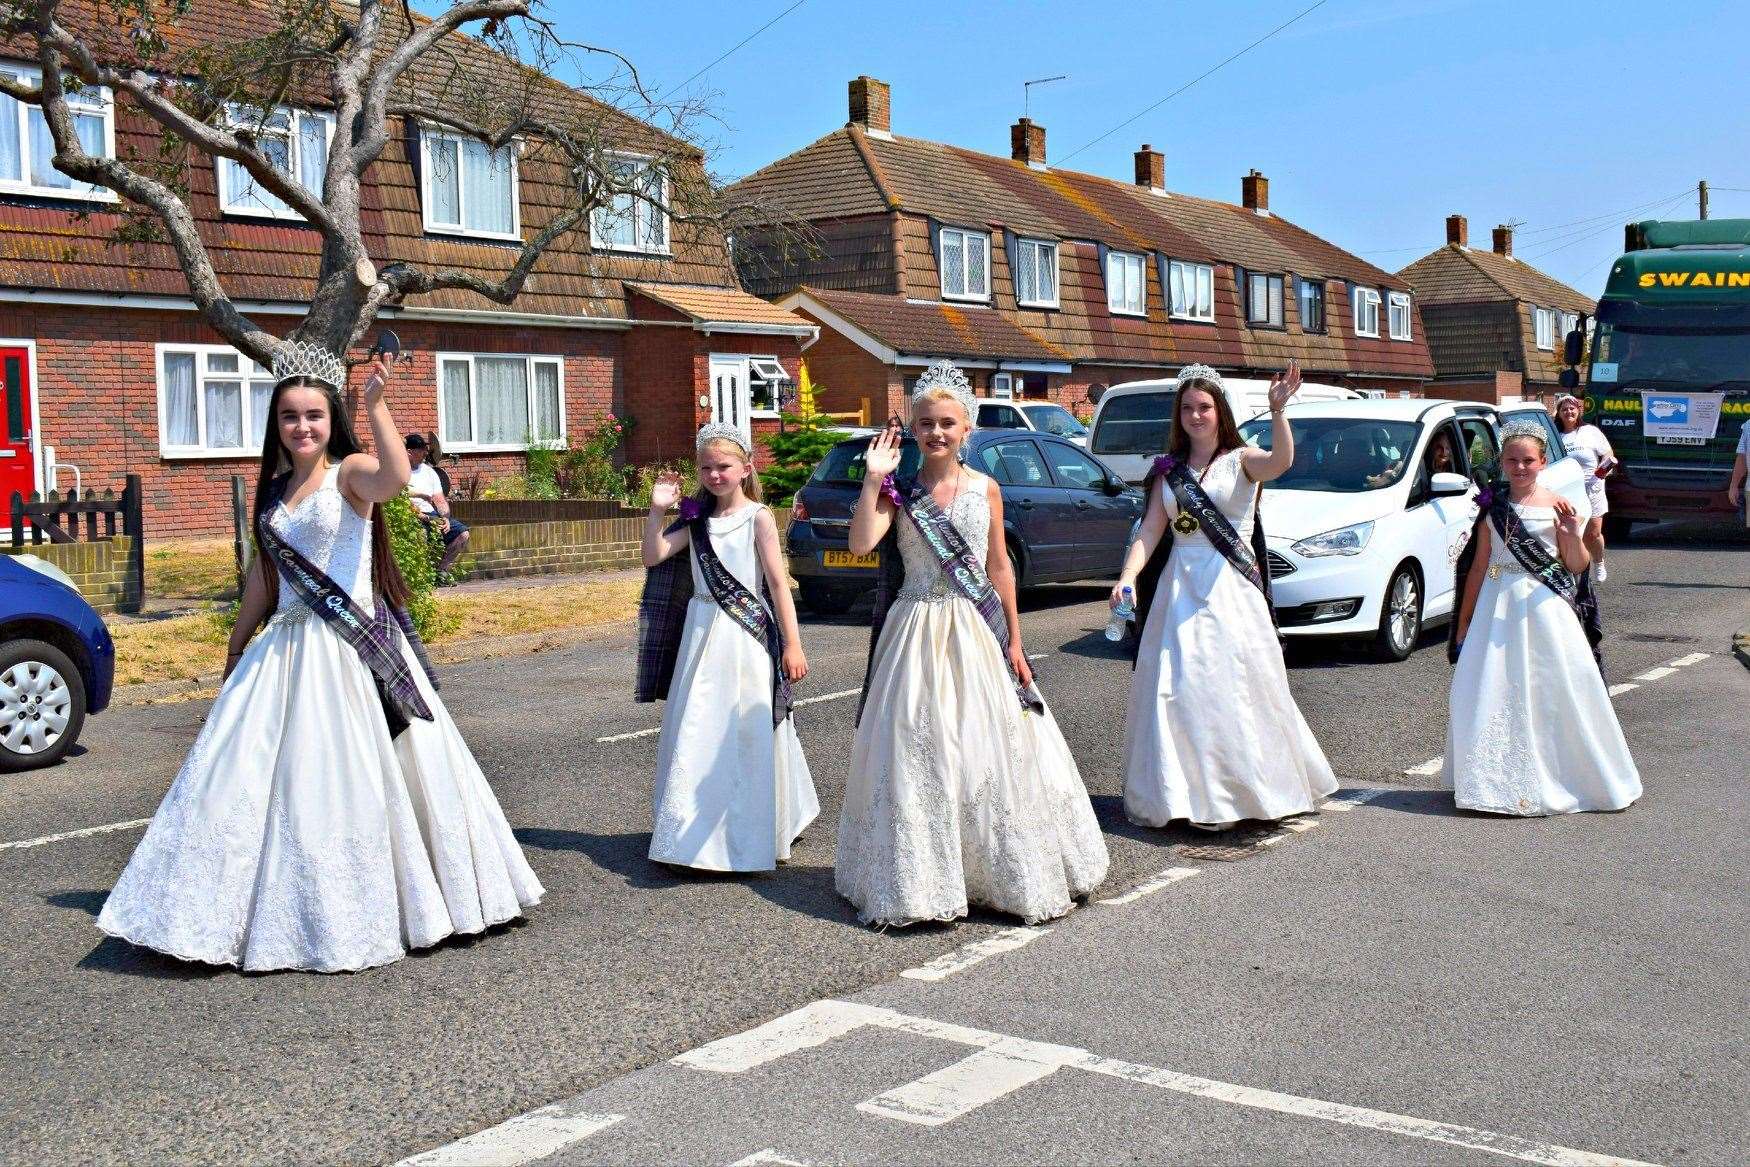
x=1545 y=321
x=1312 y=305
x=1055 y=419
x=1399 y=312
x=1015 y=464
x=468 y=188
x=1036 y=274
x=1479 y=449
x=1000 y=417
x=212 y=401
x=1074 y=469
x=766 y=380
x=1191 y=287
x=492 y=402
x=1366 y=302
x=1126 y=286
x=27 y=150
x=1001 y=385
x=1264 y=300
x=965 y=260
x=630 y=221
x=1134 y=423
x=1566 y=322
x=295 y=141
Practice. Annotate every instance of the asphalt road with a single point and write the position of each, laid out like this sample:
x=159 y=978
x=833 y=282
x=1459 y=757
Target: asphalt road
x=1578 y=982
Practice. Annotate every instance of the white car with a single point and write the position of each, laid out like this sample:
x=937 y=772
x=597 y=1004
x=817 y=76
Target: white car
x=1047 y=417
x=1364 y=530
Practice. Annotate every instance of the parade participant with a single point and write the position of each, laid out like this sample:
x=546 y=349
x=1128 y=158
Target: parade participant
x=429 y=492
x=1213 y=735
x=329 y=816
x=1591 y=449
x=961 y=788
x=1531 y=729
x=1740 y=466
x=719 y=640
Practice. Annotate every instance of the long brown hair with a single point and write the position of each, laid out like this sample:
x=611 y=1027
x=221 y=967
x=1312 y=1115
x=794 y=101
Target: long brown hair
x=276 y=460
x=1227 y=432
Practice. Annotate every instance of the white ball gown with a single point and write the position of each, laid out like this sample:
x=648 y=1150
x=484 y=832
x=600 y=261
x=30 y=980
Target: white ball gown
x=1532 y=730
x=956 y=795
x=298 y=834
x=1213 y=734
x=732 y=791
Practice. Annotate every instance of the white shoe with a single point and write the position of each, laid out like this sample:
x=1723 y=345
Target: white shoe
x=1216 y=827
x=1601 y=574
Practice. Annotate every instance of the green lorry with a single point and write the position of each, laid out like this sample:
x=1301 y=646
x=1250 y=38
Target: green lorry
x=1668 y=380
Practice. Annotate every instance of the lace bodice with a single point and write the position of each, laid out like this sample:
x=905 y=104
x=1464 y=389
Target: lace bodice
x=327 y=531
x=1229 y=489
x=732 y=539
x=923 y=575
x=1540 y=521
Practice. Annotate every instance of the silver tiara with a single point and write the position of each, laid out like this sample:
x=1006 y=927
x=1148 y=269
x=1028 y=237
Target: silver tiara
x=1200 y=373
x=298 y=358
x=1525 y=429
x=944 y=375
x=718 y=431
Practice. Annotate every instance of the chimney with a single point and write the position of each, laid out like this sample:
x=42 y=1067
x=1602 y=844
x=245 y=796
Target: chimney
x=872 y=105
x=1457 y=230
x=1504 y=241
x=1027 y=143
x=1151 y=168
x=1255 y=193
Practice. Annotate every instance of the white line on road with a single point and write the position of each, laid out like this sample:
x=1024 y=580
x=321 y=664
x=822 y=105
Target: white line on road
x=1614 y=690
x=1151 y=885
x=655 y=729
x=1693 y=658
x=1349 y=799
x=768 y=1156
x=968 y=955
x=1424 y=769
x=80 y=834
x=1656 y=674
x=809 y=1026
x=971 y=1082
x=839 y=696
x=523 y=1139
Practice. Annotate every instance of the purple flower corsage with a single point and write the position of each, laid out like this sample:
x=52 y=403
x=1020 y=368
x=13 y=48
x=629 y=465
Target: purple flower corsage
x=691 y=508
x=890 y=489
x=1166 y=464
x=1485 y=498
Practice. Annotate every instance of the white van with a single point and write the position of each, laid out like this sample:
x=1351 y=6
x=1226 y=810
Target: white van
x=1131 y=419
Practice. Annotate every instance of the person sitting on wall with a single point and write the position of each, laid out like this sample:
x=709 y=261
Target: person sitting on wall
x=433 y=505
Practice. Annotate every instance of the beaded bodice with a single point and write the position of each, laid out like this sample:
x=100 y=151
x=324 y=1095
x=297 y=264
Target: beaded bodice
x=326 y=530
x=924 y=579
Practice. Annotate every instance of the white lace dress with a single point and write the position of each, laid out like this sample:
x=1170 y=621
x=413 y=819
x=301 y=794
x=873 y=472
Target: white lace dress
x=956 y=795
x=732 y=791
x=1213 y=734
x=298 y=834
x=1532 y=730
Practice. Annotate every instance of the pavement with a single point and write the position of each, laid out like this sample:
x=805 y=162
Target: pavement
x=1395 y=983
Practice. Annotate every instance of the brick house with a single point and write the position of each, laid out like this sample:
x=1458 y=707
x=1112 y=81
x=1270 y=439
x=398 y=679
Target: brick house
x=1495 y=324
x=1045 y=283
x=107 y=363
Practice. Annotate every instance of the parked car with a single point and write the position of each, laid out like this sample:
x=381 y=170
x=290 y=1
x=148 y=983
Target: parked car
x=1046 y=417
x=1364 y=528
x=1067 y=516
x=57 y=663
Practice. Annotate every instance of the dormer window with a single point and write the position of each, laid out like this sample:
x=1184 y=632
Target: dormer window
x=1366 y=304
x=964 y=257
x=1400 y=315
x=1126 y=284
x=27 y=149
x=635 y=218
x=1035 y=274
x=468 y=187
x=295 y=141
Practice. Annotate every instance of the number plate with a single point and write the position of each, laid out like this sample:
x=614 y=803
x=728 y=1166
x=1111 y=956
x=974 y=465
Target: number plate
x=1681 y=441
x=847 y=559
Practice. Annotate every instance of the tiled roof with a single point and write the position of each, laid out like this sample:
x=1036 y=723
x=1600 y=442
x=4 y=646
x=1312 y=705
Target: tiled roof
x=1454 y=274
x=945 y=330
x=718 y=305
x=1479 y=308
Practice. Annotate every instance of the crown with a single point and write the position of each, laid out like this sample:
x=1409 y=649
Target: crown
x=1200 y=373
x=1525 y=429
x=943 y=375
x=299 y=358
x=718 y=431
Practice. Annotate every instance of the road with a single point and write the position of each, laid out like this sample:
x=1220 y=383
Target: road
x=1569 y=983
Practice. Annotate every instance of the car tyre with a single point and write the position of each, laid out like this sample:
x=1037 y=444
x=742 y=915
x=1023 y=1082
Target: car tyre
x=1015 y=564
x=826 y=600
x=42 y=705
x=1400 y=616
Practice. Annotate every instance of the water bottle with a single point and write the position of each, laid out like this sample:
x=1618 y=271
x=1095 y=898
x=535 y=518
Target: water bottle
x=1121 y=616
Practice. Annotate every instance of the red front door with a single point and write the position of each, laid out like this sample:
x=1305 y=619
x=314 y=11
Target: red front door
x=17 y=464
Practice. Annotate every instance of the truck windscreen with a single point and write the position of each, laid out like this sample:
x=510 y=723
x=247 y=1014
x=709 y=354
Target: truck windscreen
x=1672 y=357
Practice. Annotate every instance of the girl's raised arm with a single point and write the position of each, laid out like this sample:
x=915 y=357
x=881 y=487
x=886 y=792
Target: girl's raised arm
x=874 y=513
x=659 y=544
x=378 y=479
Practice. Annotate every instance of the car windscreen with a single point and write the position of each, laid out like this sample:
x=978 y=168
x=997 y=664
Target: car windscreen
x=1055 y=419
x=1345 y=455
x=844 y=463
x=1135 y=423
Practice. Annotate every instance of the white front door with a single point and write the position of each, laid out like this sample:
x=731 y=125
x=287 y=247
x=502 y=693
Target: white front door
x=730 y=399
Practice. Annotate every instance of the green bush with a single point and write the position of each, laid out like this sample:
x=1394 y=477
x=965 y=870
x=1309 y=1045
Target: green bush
x=644 y=477
x=796 y=450
x=541 y=479
x=417 y=549
x=590 y=471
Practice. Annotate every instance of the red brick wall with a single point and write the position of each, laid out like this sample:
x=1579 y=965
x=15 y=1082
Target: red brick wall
x=667 y=371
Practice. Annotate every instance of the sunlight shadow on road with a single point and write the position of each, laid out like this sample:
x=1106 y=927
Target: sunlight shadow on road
x=1437 y=803
x=87 y=900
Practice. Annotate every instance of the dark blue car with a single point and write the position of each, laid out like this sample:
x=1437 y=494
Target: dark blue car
x=1066 y=515
x=57 y=663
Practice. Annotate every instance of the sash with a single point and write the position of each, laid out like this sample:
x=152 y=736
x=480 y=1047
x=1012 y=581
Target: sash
x=957 y=561
x=1194 y=502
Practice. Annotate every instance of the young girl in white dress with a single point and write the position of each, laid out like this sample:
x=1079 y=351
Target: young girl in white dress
x=961 y=788
x=1213 y=735
x=302 y=832
x=1531 y=729
x=732 y=787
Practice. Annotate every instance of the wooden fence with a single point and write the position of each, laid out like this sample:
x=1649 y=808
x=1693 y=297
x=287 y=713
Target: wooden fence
x=57 y=519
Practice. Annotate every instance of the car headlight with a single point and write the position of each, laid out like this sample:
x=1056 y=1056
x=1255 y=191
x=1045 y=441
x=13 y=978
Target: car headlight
x=44 y=567
x=1351 y=540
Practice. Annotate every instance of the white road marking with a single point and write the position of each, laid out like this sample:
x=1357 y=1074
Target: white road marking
x=523 y=1139
x=769 y=1155
x=1614 y=690
x=1693 y=658
x=809 y=1026
x=968 y=955
x=1292 y=826
x=656 y=729
x=1151 y=885
x=839 y=696
x=1349 y=799
x=626 y=737
x=80 y=834
x=971 y=1082
x=1656 y=674
x=1424 y=769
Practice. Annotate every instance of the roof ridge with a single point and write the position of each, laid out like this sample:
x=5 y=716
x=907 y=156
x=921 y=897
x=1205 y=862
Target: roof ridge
x=1468 y=256
x=876 y=174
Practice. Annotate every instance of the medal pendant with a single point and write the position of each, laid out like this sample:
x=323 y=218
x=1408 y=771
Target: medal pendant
x=1186 y=523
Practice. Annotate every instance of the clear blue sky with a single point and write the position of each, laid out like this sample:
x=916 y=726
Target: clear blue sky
x=1373 y=119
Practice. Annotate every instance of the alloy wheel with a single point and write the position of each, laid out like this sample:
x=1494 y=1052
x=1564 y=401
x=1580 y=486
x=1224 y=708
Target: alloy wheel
x=35 y=706
x=1405 y=616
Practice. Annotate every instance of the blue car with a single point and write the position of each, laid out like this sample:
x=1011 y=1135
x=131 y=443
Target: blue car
x=1066 y=515
x=57 y=663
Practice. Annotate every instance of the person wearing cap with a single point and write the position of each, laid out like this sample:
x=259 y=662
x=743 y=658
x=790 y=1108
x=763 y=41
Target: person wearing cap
x=1591 y=449
x=427 y=491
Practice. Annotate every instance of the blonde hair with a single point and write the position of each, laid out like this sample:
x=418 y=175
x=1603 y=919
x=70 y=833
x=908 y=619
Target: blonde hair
x=750 y=485
x=941 y=393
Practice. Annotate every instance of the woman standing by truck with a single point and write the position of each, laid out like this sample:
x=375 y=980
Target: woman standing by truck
x=1591 y=449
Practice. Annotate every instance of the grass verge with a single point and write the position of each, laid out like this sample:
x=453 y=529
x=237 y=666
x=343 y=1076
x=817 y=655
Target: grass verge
x=191 y=569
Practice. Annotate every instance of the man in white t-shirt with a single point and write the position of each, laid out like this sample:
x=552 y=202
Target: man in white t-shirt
x=427 y=492
x=1735 y=491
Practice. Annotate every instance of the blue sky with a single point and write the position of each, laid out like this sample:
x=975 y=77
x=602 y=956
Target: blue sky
x=1373 y=119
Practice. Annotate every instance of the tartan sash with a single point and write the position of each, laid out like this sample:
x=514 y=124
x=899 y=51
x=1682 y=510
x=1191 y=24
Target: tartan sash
x=1193 y=501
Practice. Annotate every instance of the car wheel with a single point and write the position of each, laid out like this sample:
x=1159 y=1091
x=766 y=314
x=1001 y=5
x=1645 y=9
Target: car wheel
x=825 y=599
x=1015 y=564
x=42 y=704
x=1400 y=616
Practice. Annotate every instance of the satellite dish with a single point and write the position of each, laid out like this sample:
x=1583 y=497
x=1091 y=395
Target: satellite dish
x=1095 y=392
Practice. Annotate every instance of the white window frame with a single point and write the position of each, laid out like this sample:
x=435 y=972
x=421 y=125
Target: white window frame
x=638 y=246
x=753 y=369
x=966 y=236
x=429 y=133
x=1115 y=289
x=472 y=444
x=1365 y=302
x=1566 y=322
x=239 y=116
x=1399 y=302
x=252 y=427
x=1543 y=322
x=1002 y=386
x=1301 y=285
x=1275 y=311
x=1199 y=279
x=1043 y=247
x=103 y=106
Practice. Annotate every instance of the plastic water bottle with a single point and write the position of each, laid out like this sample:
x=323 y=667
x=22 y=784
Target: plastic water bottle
x=1121 y=615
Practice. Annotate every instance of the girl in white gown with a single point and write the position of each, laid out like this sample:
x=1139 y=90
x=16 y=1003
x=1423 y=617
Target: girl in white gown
x=1531 y=729
x=299 y=834
x=957 y=793
x=732 y=788
x=1213 y=735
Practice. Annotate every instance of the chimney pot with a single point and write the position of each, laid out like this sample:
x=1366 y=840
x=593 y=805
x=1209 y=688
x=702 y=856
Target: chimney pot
x=1255 y=192
x=1504 y=241
x=1027 y=142
x=1151 y=168
x=1458 y=230
x=872 y=105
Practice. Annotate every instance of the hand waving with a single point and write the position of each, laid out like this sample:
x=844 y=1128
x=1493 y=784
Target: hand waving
x=665 y=492
x=1284 y=387
x=1568 y=519
x=882 y=458
x=377 y=375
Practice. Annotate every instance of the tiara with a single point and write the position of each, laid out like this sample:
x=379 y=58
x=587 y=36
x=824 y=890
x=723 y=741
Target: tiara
x=298 y=358
x=718 y=431
x=943 y=375
x=1199 y=373
x=1525 y=429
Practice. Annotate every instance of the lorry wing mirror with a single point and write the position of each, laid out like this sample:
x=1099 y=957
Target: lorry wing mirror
x=1569 y=378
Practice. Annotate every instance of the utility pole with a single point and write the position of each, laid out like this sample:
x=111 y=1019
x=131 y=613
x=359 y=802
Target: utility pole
x=1702 y=188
